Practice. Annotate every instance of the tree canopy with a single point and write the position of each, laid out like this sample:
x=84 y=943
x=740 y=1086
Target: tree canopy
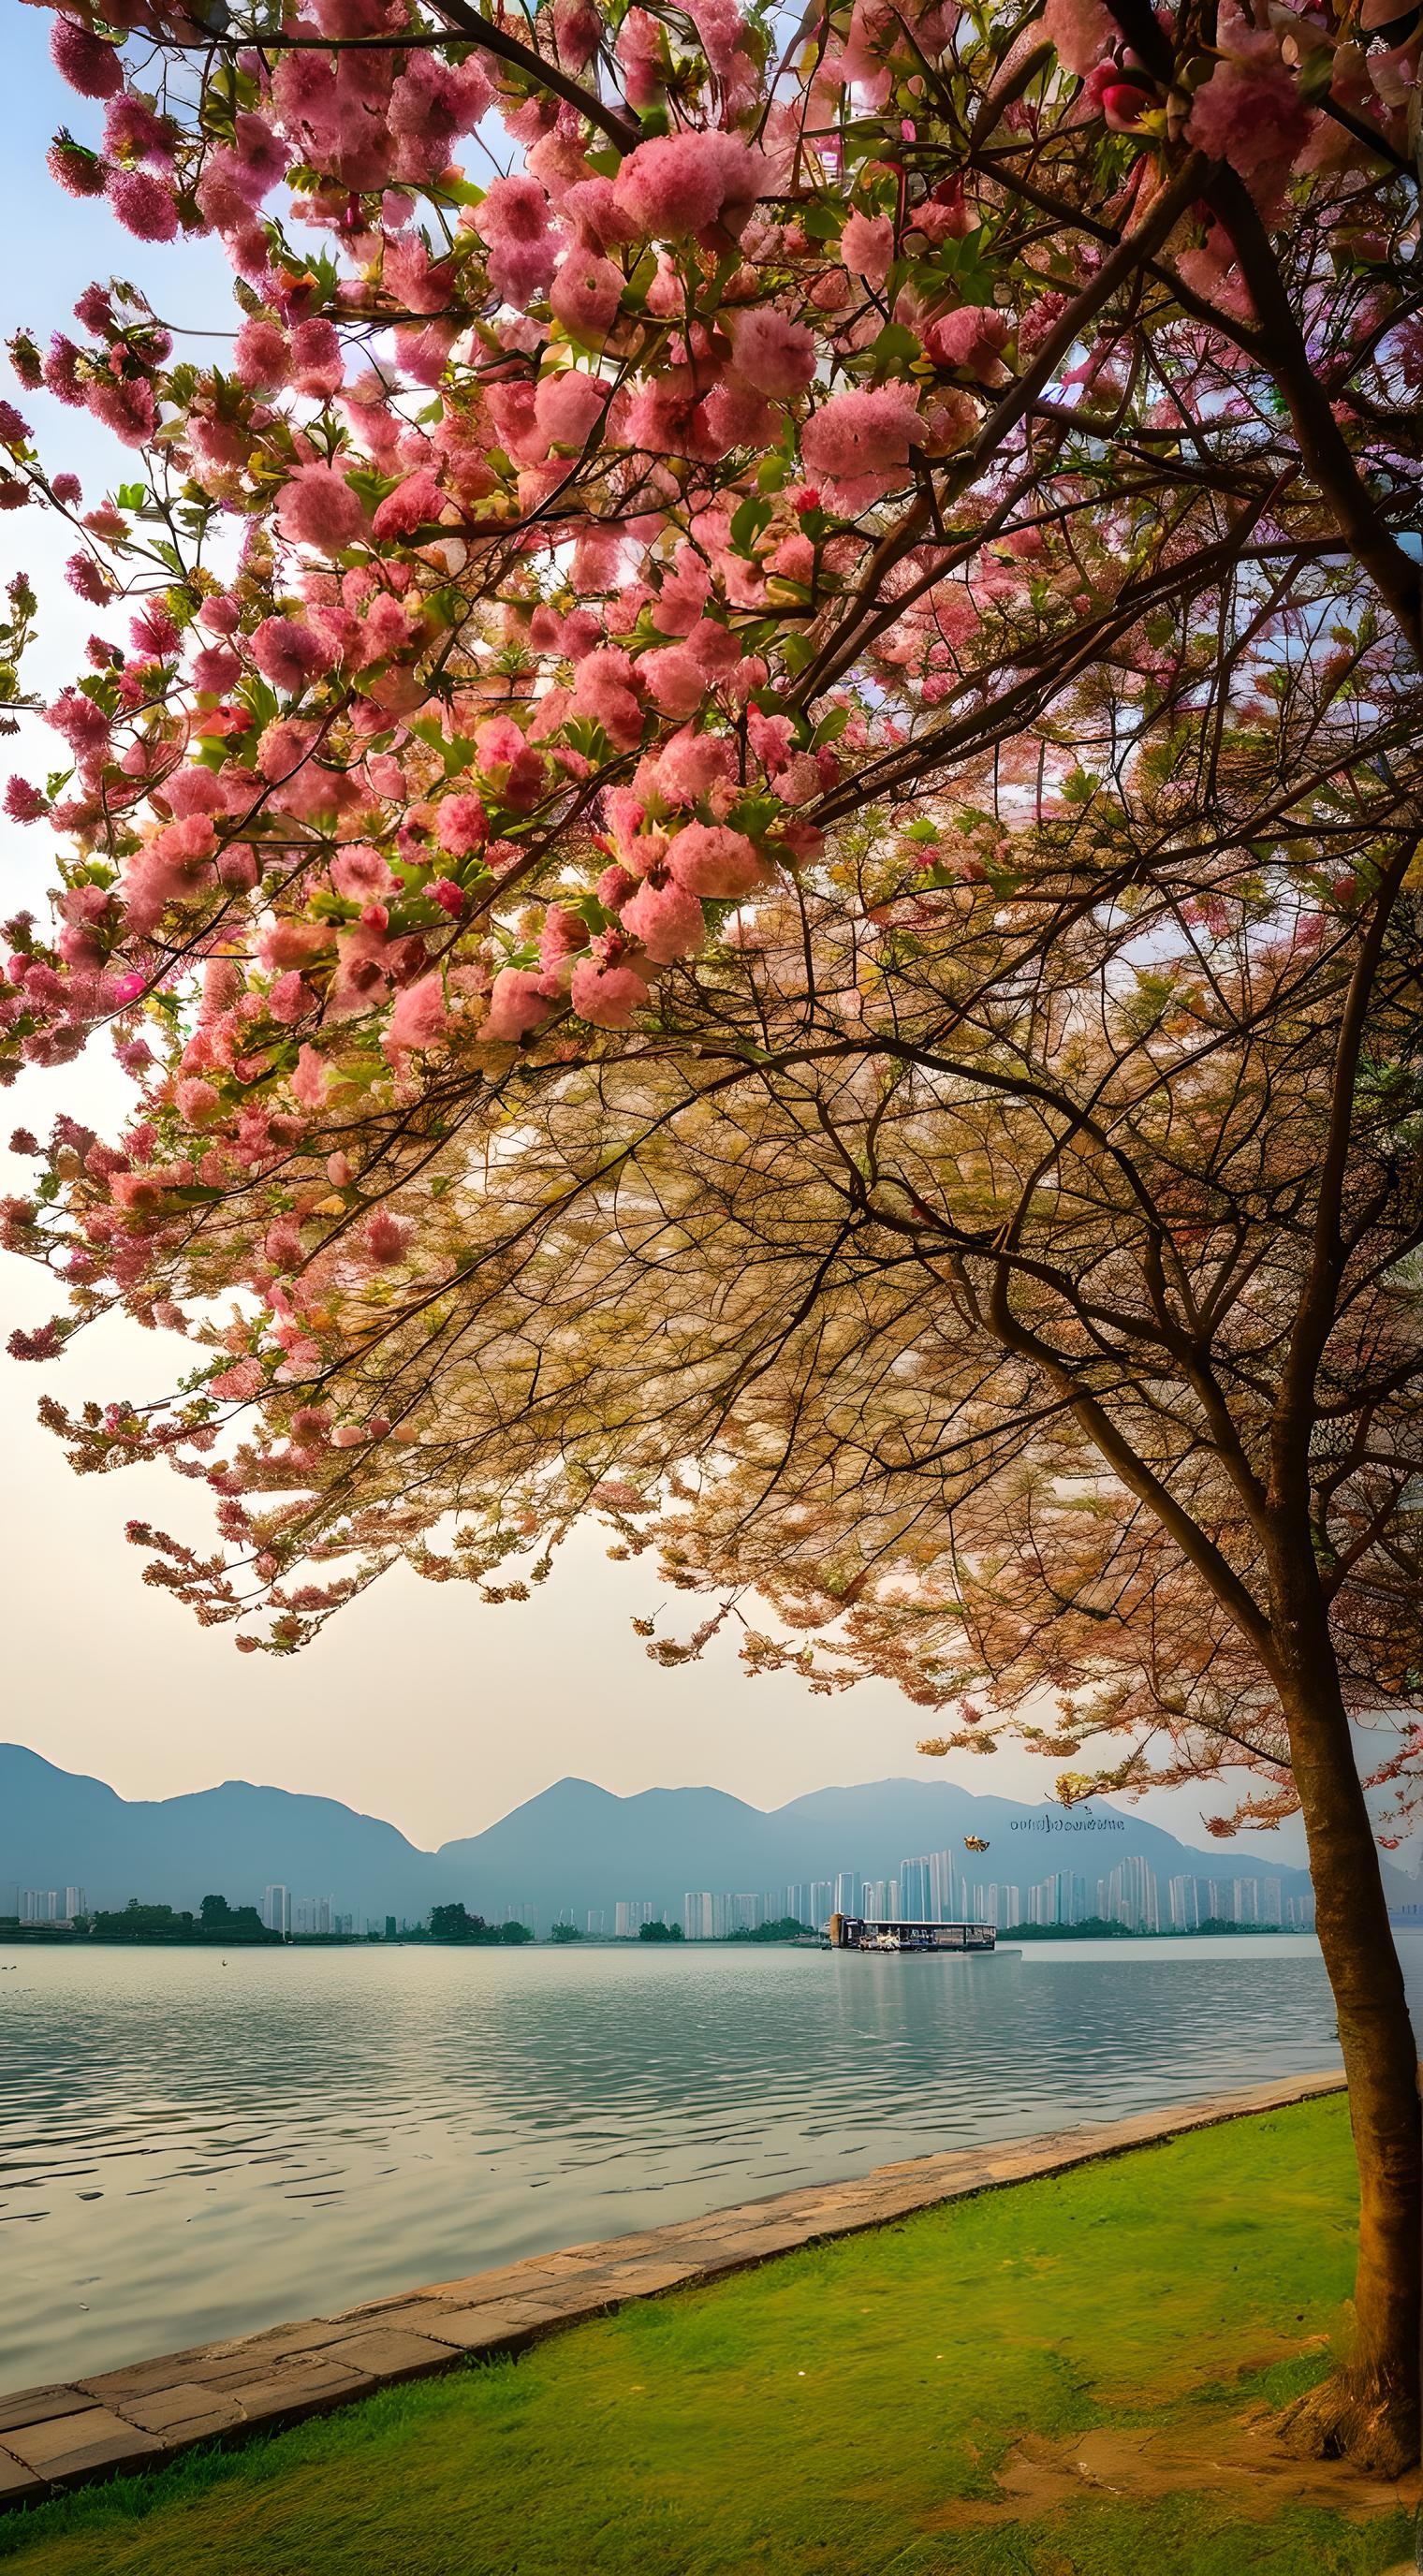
x=753 y=851
x=820 y=674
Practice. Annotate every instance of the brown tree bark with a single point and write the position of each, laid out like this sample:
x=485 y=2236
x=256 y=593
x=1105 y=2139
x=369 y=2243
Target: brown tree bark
x=1367 y=2411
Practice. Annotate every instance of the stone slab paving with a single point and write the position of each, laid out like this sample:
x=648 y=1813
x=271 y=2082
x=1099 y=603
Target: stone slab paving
x=119 y=2421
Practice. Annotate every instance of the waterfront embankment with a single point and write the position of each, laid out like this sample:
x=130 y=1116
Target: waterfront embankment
x=1067 y=2360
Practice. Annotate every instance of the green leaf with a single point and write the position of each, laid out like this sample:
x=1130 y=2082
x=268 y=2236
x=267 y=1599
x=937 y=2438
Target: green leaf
x=748 y=522
x=895 y=343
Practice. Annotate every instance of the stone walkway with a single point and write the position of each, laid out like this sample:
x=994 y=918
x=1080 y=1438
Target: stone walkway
x=123 y=2420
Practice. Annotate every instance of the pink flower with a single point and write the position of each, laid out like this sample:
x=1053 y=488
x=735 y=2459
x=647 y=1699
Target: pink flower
x=84 y=60
x=567 y=405
x=607 y=994
x=512 y=210
x=415 y=503
x=772 y=353
x=517 y=1006
x=1252 y=115
x=585 y=295
x=676 y=683
x=89 y=579
x=684 y=183
x=860 y=442
x=972 y=338
x=309 y=1079
x=362 y=875
x=24 y=803
x=461 y=825
x=691 y=765
x=709 y=859
x=1082 y=31
x=289 y=654
x=130 y=126
x=420 y=1017
x=639 y=49
x=514 y=766
x=316 y=357
x=84 y=726
x=602 y=691
x=666 y=918
x=593 y=206
x=144 y=204
x=261 y=356
x=387 y=1237
x=513 y=220
x=128 y=409
x=198 y=1103
x=239 y=1383
x=259 y=157
x=562 y=936
x=155 y=632
x=867 y=247
x=318 y=508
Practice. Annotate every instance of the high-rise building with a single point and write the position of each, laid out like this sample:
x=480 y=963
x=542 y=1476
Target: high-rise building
x=1271 y=1902
x=1183 y=1902
x=390 y=1927
x=597 y=1922
x=800 y=1901
x=74 y=1903
x=629 y=1916
x=914 y=1890
x=822 y=1903
x=943 y=1891
x=1132 y=1897
x=277 y=1911
x=39 y=1905
x=847 y=1893
x=697 y=1915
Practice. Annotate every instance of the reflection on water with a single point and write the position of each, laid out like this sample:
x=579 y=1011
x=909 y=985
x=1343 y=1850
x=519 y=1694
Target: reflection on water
x=189 y=2149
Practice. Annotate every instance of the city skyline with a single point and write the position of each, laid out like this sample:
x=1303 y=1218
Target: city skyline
x=932 y=1887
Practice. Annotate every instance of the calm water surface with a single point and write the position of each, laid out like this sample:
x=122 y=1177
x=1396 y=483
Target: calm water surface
x=189 y=2149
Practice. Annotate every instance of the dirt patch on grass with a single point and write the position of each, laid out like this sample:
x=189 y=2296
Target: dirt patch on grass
x=1236 y=2459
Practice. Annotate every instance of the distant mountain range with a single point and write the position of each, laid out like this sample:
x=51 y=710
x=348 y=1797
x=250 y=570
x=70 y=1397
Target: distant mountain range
x=574 y=1845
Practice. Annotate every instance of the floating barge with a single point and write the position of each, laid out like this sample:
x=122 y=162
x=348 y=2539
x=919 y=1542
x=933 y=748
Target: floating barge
x=860 y=1932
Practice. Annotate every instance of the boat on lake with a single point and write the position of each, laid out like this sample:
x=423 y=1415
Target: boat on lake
x=863 y=1932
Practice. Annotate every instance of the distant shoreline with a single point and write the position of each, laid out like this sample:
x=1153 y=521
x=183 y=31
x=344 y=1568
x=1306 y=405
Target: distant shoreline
x=26 y=1936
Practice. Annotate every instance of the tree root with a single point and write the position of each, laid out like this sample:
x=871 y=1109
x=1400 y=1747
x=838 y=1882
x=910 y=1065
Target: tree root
x=1372 y=2423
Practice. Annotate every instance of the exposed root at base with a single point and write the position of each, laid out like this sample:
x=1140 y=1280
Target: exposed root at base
x=1375 y=2428
x=1237 y=2459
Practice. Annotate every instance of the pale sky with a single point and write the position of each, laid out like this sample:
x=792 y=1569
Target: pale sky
x=419 y=1703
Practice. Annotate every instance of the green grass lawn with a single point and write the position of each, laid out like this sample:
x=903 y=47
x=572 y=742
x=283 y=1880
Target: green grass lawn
x=843 y=2410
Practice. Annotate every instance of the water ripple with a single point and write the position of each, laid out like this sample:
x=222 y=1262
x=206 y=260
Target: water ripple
x=439 y=2111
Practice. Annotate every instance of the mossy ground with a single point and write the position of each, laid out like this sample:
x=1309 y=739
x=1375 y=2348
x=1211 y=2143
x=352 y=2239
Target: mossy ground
x=916 y=2400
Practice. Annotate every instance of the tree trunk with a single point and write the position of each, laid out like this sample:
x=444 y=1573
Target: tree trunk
x=1368 y=2411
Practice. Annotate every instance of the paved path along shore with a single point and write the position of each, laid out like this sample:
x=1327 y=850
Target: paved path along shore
x=121 y=2421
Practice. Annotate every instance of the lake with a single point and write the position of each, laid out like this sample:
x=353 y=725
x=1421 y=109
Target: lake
x=190 y=2149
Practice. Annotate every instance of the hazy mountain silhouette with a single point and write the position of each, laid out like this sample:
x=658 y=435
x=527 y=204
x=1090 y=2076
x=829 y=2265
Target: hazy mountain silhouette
x=575 y=1845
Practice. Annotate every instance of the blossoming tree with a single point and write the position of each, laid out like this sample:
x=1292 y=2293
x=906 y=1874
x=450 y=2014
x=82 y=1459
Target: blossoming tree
x=752 y=850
